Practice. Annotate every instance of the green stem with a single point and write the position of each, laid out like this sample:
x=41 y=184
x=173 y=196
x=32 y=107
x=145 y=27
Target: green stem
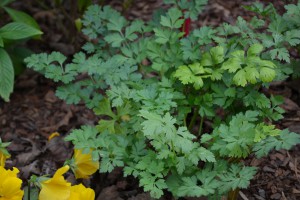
x=193 y=120
x=201 y=126
x=29 y=191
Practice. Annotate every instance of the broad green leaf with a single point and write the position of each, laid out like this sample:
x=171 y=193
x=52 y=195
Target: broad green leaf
x=6 y=75
x=1 y=42
x=18 y=30
x=22 y=17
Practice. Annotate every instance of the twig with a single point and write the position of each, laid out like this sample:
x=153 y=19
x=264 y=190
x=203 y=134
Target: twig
x=243 y=195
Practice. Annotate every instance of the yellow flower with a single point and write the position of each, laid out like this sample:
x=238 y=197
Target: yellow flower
x=56 y=188
x=84 y=166
x=10 y=185
x=79 y=192
x=3 y=158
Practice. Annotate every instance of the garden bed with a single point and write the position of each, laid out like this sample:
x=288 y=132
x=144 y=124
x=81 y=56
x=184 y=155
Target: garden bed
x=34 y=113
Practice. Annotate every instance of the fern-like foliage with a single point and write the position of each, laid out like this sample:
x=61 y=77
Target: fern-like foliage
x=153 y=88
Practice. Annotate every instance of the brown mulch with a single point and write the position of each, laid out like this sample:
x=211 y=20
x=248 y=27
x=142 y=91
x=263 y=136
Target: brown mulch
x=34 y=113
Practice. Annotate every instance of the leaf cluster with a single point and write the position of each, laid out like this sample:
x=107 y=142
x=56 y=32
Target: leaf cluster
x=153 y=89
x=22 y=27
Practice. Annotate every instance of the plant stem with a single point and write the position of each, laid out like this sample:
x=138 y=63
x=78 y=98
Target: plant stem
x=201 y=126
x=233 y=194
x=193 y=120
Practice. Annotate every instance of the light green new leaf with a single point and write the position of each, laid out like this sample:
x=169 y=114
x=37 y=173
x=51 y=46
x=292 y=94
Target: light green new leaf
x=255 y=49
x=240 y=78
x=267 y=74
x=232 y=65
x=184 y=74
x=6 y=75
x=18 y=30
x=252 y=74
x=215 y=56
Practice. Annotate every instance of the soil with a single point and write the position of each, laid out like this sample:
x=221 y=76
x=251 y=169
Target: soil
x=34 y=112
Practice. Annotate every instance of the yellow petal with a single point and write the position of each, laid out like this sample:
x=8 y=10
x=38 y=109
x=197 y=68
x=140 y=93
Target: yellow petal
x=61 y=171
x=55 y=134
x=11 y=188
x=79 y=192
x=84 y=164
x=3 y=158
x=10 y=185
x=56 y=188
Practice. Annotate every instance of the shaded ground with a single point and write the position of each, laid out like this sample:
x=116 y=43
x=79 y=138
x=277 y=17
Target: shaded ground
x=34 y=113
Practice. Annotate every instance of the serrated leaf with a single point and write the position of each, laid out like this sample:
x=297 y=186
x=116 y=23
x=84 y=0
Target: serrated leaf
x=104 y=108
x=255 y=49
x=205 y=34
x=252 y=74
x=184 y=74
x=6 y=75
x=172 y=19
x=162 y=36
x=266 y=74
x=215 y=56
x=108 y=125
x=115 y=39
x=205 y=138
x=280 y=54
x=116 y=22
x=240 y=78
